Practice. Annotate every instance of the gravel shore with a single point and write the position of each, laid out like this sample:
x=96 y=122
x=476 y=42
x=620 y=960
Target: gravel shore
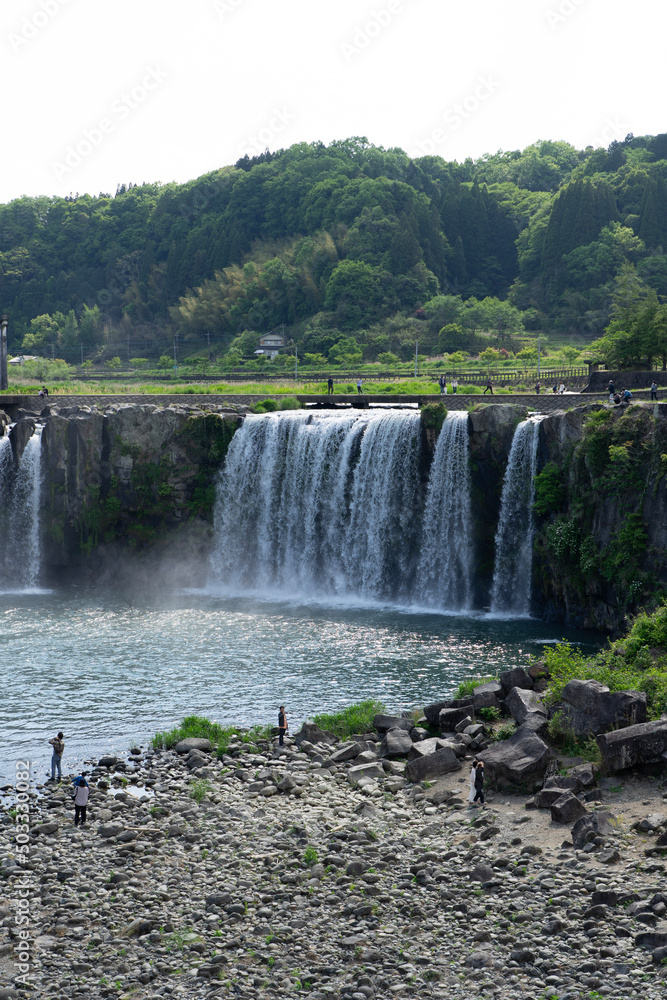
x=270 y=874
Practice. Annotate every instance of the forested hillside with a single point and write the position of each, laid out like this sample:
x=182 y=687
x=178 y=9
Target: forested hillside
x=354 y=248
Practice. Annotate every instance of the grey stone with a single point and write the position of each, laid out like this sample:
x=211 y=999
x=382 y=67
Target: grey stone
x=432 y=712
x=449 y=718
x=546 y=797
x=567 y=809
x=313 y=734
x=652 y=939
x=590 y=708
x=383 y=723
x=396 y=743
x=640 y=744
x=487 y=695
x=193 y=743
x=44 y=829
x=601 y=823
x=359 y=771
x=516 y=677
x=425 y=747
x=348 y=751
x=442 y=761
x=520 y=702
x=520 y=760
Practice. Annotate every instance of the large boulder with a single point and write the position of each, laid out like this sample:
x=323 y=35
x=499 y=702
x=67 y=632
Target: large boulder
x=601 y=823
x=642 y=744
x=442 y=761
x=516 y=677
x=313 y=734
x=590 y=708
x=449 y=718
x=487 y=695
x=396 y=743
x=193 y=743
x=567 y=808
x=425 y=747
x=521 y=702
x=383 y=723
x=520 y=760
x=432 y=712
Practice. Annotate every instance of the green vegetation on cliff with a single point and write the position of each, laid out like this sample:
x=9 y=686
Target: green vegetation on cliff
x=593 y=511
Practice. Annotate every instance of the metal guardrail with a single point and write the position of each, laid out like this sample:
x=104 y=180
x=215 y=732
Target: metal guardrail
x=473 y=378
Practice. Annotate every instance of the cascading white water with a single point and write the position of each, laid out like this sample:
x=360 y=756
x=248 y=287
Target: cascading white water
x=20 y=490
x=512 y=575
x=322 y=505
x=444 y=575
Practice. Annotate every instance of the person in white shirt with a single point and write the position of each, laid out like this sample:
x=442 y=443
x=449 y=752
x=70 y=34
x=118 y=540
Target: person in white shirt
x=81 y=794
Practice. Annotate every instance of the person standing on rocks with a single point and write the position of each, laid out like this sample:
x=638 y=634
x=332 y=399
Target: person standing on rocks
x=282 y=725
x=479 y=783
x=473 y=772
x=81 y=793
x=56 y=759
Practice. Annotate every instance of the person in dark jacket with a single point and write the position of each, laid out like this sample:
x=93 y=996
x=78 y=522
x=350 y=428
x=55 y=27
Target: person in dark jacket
x=282 y=725
x=479 y=784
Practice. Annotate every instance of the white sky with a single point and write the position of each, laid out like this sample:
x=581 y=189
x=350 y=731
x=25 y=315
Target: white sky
x=186 y=86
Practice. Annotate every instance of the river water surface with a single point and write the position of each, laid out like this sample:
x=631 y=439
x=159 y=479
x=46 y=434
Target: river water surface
x=110 y=673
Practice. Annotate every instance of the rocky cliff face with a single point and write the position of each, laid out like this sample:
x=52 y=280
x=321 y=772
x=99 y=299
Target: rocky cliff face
x=601 y=498
x=130 y=481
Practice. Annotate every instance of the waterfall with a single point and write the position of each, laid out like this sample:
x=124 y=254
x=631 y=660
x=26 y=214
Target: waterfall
x=512 y=575
x=321 y=505
x=444 y=576
x=20 y=489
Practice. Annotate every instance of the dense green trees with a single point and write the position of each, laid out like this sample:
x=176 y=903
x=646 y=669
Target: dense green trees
x=336 y=241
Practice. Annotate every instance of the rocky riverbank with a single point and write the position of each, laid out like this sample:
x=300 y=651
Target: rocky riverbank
x=321 y=870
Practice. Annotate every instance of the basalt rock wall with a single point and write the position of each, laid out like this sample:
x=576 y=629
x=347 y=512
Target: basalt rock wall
x=129 y=481
x=601 y=498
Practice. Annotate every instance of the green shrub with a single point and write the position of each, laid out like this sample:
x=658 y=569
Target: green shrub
x=648 y=630
x=310 y=856
x=200 y=789
x=489 y=714
x=289 y=403
x=550 y=490
x=356 y=718
x=203 y=728
x=467 y=687
x=504 y=732
x=433 y=415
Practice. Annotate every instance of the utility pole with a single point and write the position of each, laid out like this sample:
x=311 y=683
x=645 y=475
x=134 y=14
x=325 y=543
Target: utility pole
x=208 y=341
x=175 y=361
x=128 y=348
x=538 y=354
x=81 y=345
x=416 y=349
x=296 y=362
x=4 y=321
